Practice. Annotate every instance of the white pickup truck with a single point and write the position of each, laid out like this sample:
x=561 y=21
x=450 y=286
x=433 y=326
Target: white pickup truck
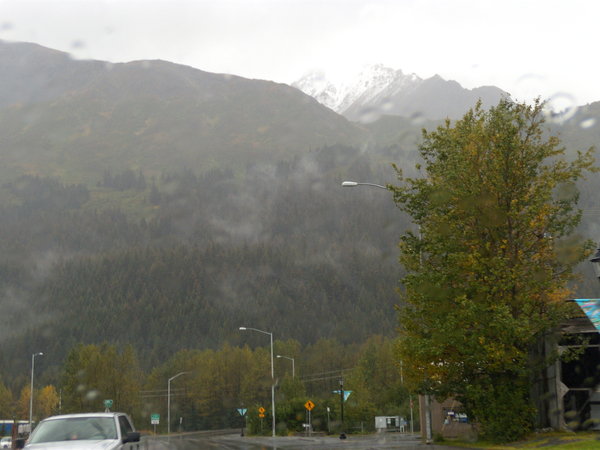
x=106 y=431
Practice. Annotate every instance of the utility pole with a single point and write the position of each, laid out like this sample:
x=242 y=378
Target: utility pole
x=342 y=434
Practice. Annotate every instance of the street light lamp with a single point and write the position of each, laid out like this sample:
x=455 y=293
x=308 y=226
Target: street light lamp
x=596 y=263
x=169 y=400
x=355 y=183
x=293 y=368
x=272 y=373
x=31 y=390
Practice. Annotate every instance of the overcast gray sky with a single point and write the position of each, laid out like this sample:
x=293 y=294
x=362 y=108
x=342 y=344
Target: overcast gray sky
x=526 y=47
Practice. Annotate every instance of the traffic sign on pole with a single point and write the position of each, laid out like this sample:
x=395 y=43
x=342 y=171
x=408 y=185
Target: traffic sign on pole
x=346 y=393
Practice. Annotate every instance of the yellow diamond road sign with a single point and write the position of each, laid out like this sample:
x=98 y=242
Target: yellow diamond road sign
x=309 y=405
x=261 y=410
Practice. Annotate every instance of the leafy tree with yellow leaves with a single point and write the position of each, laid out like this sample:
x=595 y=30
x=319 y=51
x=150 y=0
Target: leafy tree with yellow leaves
x=489 y=268
x=47 y=401
x=7 y=404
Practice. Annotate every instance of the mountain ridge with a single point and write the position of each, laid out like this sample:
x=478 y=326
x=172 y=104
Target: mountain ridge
x=378 y=90
x=150 y=115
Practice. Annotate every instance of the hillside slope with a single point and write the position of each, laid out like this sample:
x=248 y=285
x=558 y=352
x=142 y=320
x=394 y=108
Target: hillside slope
x=76 y=119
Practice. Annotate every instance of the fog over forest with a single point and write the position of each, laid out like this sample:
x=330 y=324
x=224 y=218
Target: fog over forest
x=160 y=206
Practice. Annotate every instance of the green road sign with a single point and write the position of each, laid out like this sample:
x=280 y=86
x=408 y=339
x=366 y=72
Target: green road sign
x=154 y=419
x=108 y=403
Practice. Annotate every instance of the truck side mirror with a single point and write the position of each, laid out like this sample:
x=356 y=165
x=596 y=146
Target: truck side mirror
x=132 y=436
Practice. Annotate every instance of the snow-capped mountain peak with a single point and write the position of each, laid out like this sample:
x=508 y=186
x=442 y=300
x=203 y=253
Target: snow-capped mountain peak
x=377 y=90
x=370 y=83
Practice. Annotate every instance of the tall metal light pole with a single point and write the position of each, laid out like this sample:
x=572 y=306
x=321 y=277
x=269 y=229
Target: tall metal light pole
x=272 y=373
x=426 y=397
x=31 y=390
x=169 y=400
x=293 y=368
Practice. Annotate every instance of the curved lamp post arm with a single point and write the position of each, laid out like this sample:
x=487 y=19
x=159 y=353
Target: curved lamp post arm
x=169 y=400
x=355 y=183
x=293 y=365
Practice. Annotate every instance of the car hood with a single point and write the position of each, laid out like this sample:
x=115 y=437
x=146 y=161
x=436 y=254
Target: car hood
x=106 y=444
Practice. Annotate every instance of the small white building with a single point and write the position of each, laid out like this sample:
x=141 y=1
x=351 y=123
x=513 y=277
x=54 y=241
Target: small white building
x=390 y=423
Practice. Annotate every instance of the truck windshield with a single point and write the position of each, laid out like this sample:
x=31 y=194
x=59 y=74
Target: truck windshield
x=86 y=428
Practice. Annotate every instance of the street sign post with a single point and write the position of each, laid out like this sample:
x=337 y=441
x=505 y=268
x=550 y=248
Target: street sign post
x=242 y=412
x=261 y=414
x=309 y=407
x=107 y=405
x=154 y=420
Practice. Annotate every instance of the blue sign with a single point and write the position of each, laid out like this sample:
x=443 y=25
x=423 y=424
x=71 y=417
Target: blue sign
x=346 y=394
x=242 y=411
x=591 y=308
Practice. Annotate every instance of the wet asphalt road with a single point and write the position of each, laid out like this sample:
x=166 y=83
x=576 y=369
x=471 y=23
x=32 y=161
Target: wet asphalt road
x=193 y=441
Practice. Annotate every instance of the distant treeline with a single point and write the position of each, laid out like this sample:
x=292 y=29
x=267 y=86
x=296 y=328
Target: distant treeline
x=209 y=386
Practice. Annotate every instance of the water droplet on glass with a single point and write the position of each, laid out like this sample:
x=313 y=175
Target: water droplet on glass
x=77 y=44
x=387 y=105
x=587 y=123
x=368 y=115
x=417 y=119
x=560 y=107
x=529 y=86
x=92 y=395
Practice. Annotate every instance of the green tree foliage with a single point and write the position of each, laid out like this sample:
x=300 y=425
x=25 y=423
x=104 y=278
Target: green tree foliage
x=218 y=382
x=47 y=402
x=7 y=403
x=22 y=405
x=379 y=377
x=490 y=267
x=94 y=373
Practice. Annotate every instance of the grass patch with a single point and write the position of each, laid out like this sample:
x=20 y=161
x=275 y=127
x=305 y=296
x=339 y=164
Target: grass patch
x=552 y=440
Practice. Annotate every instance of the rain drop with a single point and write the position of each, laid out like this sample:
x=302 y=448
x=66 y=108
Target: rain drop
x=587 y=123
x=92 y=395
x=528 y=86
x=369 y=115
x=387 y=105
x=77 y=44
x=417 y=119
x=560 y=107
